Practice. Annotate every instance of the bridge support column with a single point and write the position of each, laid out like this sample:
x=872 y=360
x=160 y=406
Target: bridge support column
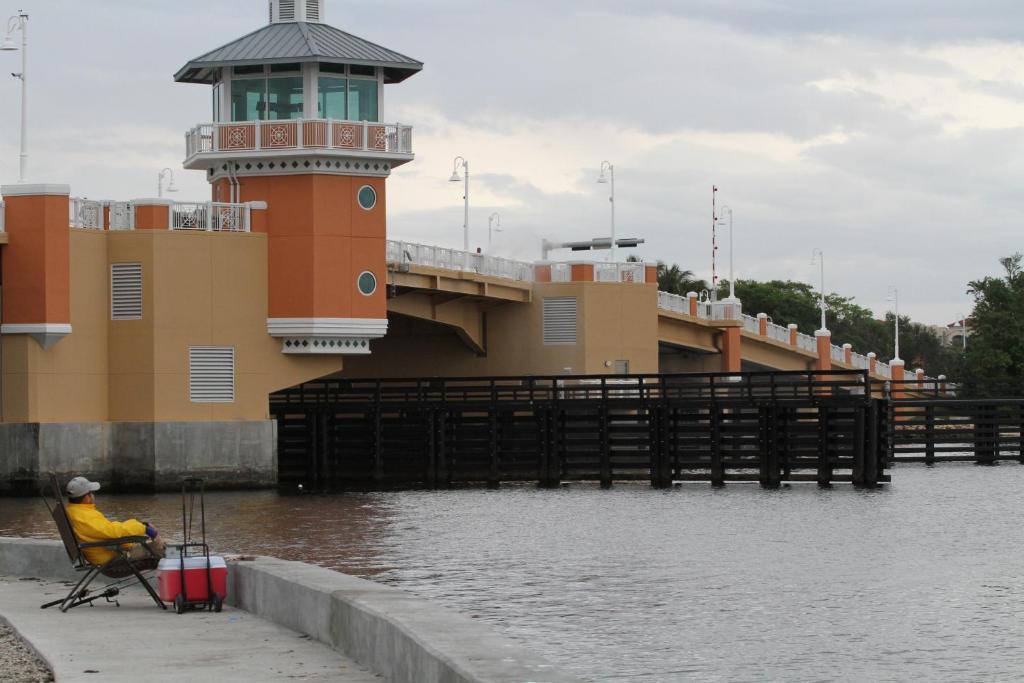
x=898 y=375
x=848 y=354
x=872 y=362
x=731 y=357
x=824 y=339
x=792 y=334
x=762 y=324
x=691 y=298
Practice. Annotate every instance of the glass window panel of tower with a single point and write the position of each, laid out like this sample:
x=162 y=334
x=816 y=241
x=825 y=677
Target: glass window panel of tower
x=284 y=97
x=362 y=100
x=248 y=99
x=331 y=97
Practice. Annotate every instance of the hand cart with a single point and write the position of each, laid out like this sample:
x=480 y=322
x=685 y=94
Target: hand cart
x=191 y=489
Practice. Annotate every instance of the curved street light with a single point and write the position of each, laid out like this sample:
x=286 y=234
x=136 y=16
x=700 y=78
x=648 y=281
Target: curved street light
x=493 y=225
x=732 y=280
x=19 y=22
x=893 y=295
x=160 y=182
x=461 y=161
x=818 y=258
x=607 y=166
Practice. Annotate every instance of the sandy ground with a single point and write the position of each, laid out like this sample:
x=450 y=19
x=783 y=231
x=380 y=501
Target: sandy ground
x=17 y=662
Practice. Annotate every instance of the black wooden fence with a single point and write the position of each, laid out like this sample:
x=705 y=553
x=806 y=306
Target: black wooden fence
x=769 y=427
x=933 y=430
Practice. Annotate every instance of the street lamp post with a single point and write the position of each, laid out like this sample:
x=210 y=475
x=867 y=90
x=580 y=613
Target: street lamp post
x=493 y=225
x=461 y=161
x=963 y=329
x=607 y=165
x=160 y=182
x=732 y=279
x=894 y=297
x=19 y=22
x=818 y=258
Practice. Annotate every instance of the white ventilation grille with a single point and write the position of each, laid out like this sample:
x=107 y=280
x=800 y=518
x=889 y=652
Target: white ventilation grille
x=560 y=320
x=126 y=291
x=313 y=10
x=211 y=374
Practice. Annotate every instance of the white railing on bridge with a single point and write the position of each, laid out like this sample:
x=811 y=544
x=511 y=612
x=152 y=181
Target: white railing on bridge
x=751 y=324
x=860 y=361
x=838 y=354
x=298 y=134
x=404 y=253
x=778 y=333
x=883 y=369
x=806 y=342
x=718 y=310
x=669 y=302
x=209 y=216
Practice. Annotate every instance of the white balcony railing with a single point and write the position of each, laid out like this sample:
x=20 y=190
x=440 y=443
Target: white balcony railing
x=404 y=253
x=806 y=342
x=298 y=134
x=751 y=324
x=561 y=272
x=619 y=272
x=86 y=214
x=860 y=361
x=210 y=217
x=90 y=214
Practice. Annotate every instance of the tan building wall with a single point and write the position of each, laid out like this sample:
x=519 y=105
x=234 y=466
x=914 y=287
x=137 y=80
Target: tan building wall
x=199 y=289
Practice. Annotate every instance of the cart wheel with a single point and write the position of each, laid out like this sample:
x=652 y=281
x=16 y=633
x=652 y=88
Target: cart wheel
x=179 y=604
x=218 y=602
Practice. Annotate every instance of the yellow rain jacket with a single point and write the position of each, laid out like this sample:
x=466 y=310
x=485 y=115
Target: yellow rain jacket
x=91 y=526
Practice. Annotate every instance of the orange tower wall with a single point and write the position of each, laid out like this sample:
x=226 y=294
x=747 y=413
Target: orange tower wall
x=36 y=262
x=320 y=240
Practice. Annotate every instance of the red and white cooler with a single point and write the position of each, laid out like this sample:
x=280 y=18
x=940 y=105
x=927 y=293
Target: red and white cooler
x=196 y=585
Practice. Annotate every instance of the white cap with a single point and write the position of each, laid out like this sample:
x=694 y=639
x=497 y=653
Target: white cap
x=79 y=486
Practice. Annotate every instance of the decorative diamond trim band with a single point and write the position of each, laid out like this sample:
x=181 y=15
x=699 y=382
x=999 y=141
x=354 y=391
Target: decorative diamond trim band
x=326 y=345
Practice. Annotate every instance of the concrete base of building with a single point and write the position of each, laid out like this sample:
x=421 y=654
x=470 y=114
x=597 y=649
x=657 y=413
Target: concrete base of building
x=139 y=456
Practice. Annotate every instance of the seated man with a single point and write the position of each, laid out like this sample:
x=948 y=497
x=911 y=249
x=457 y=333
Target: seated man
x=91 y=526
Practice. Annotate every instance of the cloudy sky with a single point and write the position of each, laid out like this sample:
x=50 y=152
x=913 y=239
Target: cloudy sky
x=886 y=132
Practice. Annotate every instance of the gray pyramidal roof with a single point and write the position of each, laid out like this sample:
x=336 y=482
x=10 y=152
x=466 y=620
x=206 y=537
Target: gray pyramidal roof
x=299 y=42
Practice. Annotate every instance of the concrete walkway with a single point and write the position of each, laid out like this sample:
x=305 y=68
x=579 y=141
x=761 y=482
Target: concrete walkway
x=87 y=643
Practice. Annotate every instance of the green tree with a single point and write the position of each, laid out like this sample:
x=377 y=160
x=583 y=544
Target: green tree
x=994 y=362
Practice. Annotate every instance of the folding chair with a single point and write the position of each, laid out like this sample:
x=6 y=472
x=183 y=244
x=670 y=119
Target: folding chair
x=120 y=567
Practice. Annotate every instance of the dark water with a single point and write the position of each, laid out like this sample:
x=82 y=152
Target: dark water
x=918 y=581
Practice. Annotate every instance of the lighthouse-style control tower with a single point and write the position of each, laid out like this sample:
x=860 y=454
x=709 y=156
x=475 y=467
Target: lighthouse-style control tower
x=296 y=123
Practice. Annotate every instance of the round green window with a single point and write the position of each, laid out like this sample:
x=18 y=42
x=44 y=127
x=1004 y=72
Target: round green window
x=367 y=197
x=367 y=283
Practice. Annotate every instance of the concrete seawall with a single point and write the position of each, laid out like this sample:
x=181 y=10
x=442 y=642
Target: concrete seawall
x=139 y=456
x=399 y=636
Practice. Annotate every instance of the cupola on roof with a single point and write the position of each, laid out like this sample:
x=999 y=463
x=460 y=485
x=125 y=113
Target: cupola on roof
x=295 y=34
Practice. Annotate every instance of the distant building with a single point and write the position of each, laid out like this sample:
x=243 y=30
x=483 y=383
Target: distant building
x=953 y=333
